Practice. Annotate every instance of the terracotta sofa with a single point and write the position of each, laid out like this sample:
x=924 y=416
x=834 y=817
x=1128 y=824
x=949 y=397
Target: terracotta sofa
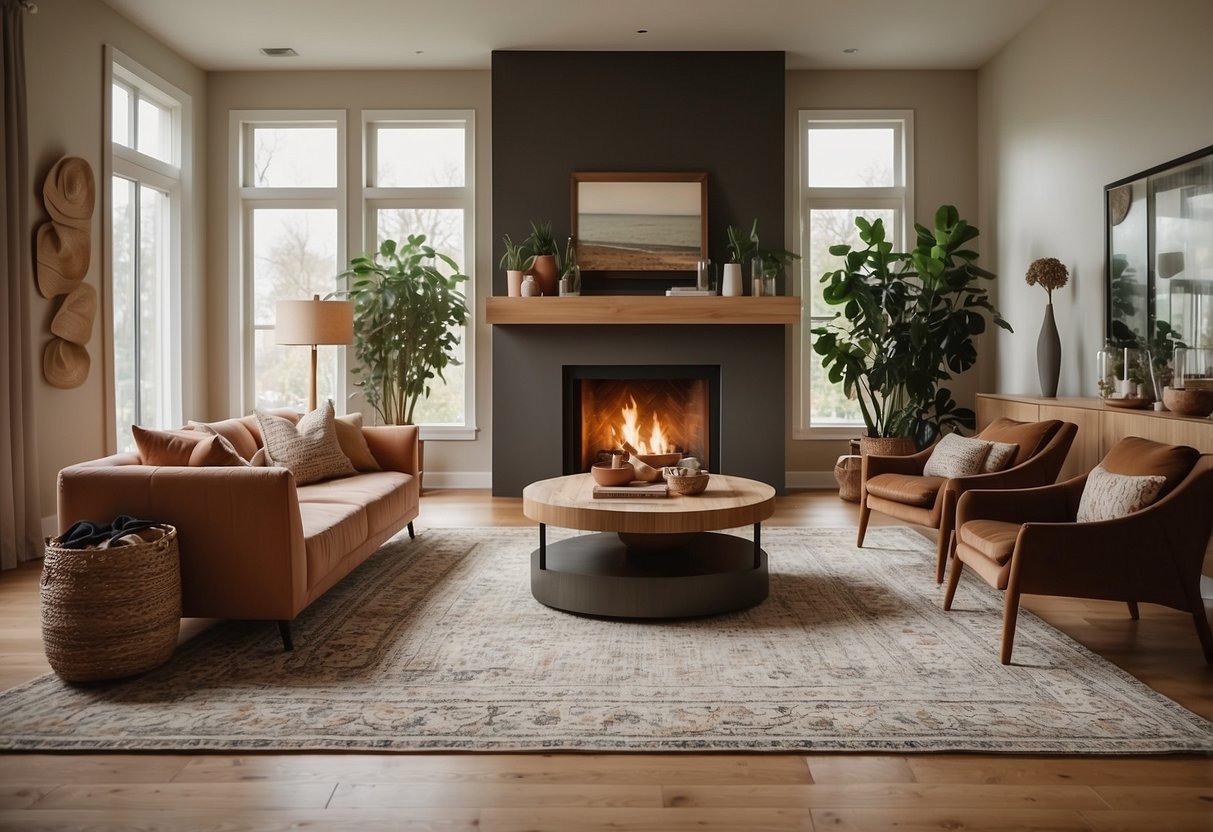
x=253 y=544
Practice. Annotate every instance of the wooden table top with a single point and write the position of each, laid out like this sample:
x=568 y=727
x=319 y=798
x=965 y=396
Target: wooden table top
x=728 y=502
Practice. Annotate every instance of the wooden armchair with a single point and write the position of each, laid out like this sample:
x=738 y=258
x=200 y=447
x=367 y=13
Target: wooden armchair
x=1029 y=541
x=895 y=485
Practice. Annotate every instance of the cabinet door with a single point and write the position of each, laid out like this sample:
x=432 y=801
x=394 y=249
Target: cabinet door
x=990 y=408
x=1087 y=449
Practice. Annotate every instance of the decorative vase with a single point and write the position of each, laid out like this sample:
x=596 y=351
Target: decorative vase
x=513 y=279
x=530 y=287
x=1048 y=355
x=731 y=282
x=546 y=274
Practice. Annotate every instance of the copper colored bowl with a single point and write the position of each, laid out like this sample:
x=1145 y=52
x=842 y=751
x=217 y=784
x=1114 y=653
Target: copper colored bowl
x=604 y=474
x=659 y=461
x=1188 y=401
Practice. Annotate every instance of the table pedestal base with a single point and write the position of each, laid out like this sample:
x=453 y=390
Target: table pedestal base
x=597 y=574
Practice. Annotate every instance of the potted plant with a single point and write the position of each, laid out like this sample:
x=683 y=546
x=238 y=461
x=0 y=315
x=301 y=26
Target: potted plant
x=765 y=264
x=742 y=247
x=543 y=247
x=516 y=260
x=407 y=319
x=907 y=323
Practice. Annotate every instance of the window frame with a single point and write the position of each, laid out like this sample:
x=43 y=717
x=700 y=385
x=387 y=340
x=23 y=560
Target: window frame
x=245 y=199
x=375 y=198
x=899 y=198
x=175 y=179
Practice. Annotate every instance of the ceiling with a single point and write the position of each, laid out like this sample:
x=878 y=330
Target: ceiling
x=461 y=34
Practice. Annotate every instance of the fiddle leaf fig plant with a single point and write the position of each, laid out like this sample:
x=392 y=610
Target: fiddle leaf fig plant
x=907 y=323
x=408 y=317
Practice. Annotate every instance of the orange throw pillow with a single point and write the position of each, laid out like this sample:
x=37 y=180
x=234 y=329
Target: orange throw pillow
x=353 y=443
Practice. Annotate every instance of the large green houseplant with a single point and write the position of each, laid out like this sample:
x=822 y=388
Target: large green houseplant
x=408 y=315
x=907 y=323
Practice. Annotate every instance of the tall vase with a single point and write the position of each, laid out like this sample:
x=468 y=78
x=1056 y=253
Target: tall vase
x=1048 y=355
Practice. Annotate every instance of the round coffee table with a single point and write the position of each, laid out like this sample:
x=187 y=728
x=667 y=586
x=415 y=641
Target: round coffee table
x=653 y=557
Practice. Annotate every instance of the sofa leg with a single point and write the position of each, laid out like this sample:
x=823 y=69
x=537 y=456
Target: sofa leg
x=284 y=630
x=412 y=534
x=864 y=513
x=1133 y=613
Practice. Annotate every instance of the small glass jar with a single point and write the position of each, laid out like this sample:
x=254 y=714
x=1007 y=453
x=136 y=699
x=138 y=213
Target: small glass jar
x=1193 y=367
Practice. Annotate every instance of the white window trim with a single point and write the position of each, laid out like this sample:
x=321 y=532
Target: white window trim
x=898 y=198
x=242 y=200
x=177 y=180
x=375 y=198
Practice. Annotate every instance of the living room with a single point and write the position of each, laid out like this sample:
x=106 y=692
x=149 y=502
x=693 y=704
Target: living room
x=1022 y=138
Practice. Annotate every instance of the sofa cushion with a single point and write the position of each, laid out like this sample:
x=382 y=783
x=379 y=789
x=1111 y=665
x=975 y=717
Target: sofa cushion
x=906 y=488
x=384 y=494
x=956 y=456
x=309 y=449
x=1106 y=496
x=1031 y=437
x=1135 y=457
x=353 y=443
x=995 y=539
x=331 y=531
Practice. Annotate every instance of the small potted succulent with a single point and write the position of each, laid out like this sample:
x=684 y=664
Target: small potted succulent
x=543 y=248
x=516 y=260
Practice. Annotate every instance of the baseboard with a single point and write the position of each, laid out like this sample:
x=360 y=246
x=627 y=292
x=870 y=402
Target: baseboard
x=457 y=479
x=810 y=479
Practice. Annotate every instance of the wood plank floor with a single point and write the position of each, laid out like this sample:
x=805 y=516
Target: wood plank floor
x=517 y=792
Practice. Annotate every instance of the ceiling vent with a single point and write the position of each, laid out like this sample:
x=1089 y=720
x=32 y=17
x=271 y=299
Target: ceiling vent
x=279 y=52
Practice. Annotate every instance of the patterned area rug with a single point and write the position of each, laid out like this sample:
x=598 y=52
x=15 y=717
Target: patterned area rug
x=436 y=644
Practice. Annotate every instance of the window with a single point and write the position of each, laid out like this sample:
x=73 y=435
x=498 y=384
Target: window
x=290 y=168
x=850 y=164
x=419 y=180
x=147 y=168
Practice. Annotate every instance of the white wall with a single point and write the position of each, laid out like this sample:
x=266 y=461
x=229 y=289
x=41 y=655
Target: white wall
x=65 y=68
x=1090 y=92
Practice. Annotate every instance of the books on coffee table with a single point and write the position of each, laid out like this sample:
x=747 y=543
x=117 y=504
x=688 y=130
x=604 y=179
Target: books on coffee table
x=640 y=489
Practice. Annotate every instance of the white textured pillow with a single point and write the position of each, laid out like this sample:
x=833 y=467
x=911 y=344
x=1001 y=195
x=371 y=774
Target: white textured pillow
x=1107 y=496
x=309 y=449
x=1001 y=456
x=956 y=456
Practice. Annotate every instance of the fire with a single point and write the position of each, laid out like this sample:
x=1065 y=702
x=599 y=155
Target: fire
x=630 y=432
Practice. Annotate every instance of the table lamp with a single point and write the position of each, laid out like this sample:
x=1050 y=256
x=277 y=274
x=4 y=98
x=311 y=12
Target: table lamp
x=313 y=322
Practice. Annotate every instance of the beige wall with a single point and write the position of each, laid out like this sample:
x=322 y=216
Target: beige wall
x=351 y=92
x=64 y=46
x=1091 y=92
x=945 y=172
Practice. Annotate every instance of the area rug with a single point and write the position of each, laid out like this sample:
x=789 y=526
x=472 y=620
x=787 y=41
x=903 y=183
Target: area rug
x=437 y=644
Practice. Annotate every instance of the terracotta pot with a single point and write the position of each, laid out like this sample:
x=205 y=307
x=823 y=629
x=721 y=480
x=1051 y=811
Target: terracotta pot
x=886 y=446
x=546 y=275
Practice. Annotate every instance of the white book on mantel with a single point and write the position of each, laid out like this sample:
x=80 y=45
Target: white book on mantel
x=688 y=291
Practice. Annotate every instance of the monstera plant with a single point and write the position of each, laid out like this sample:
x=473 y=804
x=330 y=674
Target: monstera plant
x=906 y=324
x=408 y=318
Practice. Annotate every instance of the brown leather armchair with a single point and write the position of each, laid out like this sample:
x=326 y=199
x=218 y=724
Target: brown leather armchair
x=895 y=485
x=1030 y=542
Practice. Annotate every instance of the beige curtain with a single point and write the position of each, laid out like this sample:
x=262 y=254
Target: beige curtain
x=20 y=519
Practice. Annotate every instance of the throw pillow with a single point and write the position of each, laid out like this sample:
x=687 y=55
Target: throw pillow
x=214 y=451
x=165 y=447
x=1107 y=496
x=235 y=431
x=353 y=443
x=1002 y=454
x=308 y=449
x=956 y=456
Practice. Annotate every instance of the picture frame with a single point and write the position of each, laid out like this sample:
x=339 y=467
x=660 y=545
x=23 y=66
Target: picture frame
x=653 y=223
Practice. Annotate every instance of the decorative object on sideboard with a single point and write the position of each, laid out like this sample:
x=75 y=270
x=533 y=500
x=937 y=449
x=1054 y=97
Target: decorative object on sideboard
x=1050 y=273
x=544 y=267
x=516 y=260
x=312 y=323
x=1192 y=394
x=570 y=271
x=908 y=323
x=1126 y=376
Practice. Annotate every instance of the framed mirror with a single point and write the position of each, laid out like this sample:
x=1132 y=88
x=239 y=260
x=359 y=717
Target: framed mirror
x=640 y=222
x=1160 y=256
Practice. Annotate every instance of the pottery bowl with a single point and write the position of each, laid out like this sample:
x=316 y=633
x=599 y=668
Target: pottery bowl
x=659 y=461
x=604 y=474
x=688 y=486
x=1188 y=401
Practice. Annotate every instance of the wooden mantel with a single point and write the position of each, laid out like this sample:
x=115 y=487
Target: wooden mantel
x=642 y=309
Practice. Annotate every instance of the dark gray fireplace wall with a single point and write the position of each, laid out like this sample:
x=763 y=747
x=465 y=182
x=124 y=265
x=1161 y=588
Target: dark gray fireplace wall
x=528 y=379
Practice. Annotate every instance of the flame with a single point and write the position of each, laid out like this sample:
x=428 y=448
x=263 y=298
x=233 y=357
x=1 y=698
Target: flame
x=630 y=431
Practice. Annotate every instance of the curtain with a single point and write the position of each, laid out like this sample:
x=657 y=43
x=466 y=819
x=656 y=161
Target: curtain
x=20 y=519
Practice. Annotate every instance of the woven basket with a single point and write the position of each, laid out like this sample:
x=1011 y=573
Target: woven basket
x=847 y=473
x=688 y=486
x=110 y=613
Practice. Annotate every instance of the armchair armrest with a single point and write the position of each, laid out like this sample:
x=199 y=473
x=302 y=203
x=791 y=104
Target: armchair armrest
x=395 y=447
x=913 y=464
x=1055 y=503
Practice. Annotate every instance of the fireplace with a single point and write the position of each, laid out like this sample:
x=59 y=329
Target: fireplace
x=655 y=408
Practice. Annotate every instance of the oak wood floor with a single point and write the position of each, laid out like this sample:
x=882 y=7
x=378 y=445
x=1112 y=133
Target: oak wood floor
x=516 y=792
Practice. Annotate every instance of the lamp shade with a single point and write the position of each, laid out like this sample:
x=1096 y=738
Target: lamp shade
x=314 y=321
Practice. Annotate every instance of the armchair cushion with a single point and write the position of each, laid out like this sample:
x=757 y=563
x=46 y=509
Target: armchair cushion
x=956 y=456
x=906 y=488
x=995 y=539
x=1135 y=457
x=1107 y=496
x=1001 y=455
x=1029 y=436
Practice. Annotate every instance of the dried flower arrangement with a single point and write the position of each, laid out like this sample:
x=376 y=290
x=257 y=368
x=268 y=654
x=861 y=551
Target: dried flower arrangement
x=1049 y=272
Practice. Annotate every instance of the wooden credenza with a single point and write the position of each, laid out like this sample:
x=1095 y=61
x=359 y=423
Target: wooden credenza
x=1099 y=428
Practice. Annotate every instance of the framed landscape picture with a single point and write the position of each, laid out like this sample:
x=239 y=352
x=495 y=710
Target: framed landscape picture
x=640 y=222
